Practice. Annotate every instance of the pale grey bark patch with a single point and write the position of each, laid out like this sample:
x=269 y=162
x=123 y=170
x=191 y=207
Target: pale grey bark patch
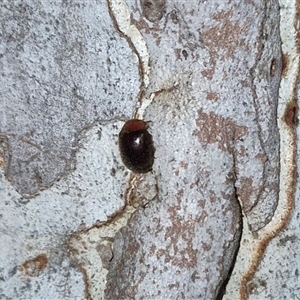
x=60 y=72
x=45 y=224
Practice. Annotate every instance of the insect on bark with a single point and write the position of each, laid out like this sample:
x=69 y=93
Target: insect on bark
x=136 y=146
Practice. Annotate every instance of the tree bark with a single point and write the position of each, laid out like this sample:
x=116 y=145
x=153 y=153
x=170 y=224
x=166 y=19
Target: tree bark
x=216 y=218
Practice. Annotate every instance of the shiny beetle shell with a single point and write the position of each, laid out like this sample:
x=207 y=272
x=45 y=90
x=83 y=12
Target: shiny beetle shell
x=136 y=146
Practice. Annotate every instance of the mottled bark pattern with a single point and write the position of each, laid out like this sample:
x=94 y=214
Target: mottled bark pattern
x=217 y=144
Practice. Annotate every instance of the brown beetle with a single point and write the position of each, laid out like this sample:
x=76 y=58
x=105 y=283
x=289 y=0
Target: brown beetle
x=136 y=146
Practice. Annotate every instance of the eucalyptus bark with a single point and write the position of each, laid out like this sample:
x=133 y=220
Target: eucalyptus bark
x=206 y=74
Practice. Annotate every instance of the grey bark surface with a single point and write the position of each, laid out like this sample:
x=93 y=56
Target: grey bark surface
x=60 y=74
x=214 y=123
x=75 y=222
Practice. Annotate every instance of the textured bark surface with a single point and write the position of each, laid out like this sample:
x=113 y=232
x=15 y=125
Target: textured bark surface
x=74 y=222
x=214 y=123
x=60 y=73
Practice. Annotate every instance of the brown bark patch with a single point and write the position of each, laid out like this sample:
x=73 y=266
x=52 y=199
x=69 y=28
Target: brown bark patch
x=244 y=191
x=291 y=114
x=34 y=267
x=212 y=96
x=216 y=129
x=285 y=64
x=227 y=35
x=182 y=229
